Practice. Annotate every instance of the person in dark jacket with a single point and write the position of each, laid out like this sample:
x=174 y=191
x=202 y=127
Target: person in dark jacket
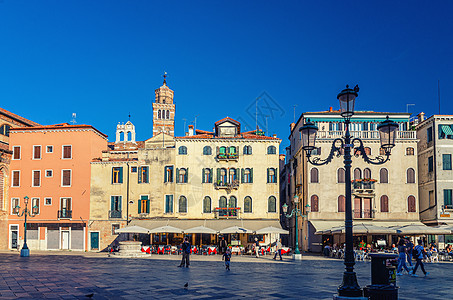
x=402 y=251
x=420 y=251
x=227 y=257
x=185 y=247
x=223 y=245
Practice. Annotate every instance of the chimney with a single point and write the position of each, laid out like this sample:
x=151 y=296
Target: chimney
x=330 y=109
x=421 y=117
x=274 y=135
x=190 y=130
x=292 y=126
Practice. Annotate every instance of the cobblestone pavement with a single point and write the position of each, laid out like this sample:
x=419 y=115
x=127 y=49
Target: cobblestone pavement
x=61 y=276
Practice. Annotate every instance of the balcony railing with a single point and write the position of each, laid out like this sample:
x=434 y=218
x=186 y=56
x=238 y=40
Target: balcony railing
x=65 y=214
x=228 y=156
x=359 y=185
x=234 y=185
x=115 y=214
x=363 y=213
x=366 y=135
x=227 y=212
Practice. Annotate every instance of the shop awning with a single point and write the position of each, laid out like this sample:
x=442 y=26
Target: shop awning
x=323 y=226
x=328 y=227
x=420 y=229
x=366 y=229
x=132 y=229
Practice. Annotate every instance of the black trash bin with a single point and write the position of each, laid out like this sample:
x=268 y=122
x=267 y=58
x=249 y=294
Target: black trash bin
x=383 y=277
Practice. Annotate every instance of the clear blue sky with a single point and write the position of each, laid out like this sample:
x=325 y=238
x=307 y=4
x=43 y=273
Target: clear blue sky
x=103 y=59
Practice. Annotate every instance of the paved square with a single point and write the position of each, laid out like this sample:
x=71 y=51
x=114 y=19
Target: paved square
x=63 y=276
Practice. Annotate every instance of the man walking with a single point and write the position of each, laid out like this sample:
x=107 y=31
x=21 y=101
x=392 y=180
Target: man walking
x=419 y=254
x=409 y=247
x=278 y=246
x=223 y=245
x=185 y=246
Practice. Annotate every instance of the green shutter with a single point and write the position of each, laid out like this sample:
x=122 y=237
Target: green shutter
x=112 y=203
x=165 y=174
x=139 y=174
x=242 y=175
x=121 y=175
x=202 y=175
x=238 y=171
x=186 y=176
x=139 y=206
x=268 y=181
x=447 y=197
x=177 y=175
x=276 y=173
x=120 y=199
x=218 y=174
x=251 y=175
x=113 y=175
x=147 y=206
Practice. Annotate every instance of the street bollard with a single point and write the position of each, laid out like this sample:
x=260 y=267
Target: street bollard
x=383 y=277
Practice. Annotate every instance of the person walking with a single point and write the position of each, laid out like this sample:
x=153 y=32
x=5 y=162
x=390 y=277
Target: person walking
x=410 y=248
x=227 y=257
x=223 y=245
x=185 y=246
x=278 y=246
x=419 y=254
x=402 y=258
x=256 y=245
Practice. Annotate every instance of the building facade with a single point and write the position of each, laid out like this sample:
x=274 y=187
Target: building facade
x=384 y=195
x=51 y=166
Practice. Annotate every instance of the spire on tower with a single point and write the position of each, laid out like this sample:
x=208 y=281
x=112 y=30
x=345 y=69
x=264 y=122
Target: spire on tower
x=165 y=78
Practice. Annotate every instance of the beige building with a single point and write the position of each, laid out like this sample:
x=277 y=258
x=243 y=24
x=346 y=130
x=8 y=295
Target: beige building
x=384 y=195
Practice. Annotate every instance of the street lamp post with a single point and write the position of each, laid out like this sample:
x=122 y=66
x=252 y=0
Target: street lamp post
x=25 y=252
x=387 y=133
x=295 y=212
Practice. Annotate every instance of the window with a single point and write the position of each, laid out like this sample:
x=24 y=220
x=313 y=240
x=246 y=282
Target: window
x=409 y=151
x=430 y=164
x=446 y=161
x=115 y=205
x=143 y=204
x=221 y=176
x=36 y=152
x=384 y=176
x=47 y=201
x=247 y=175
x=168 y=174
x=232 y=150
x=115 y=227
x=143 y=174
x=447 y=199
x=36 y=178
x=168 y=204
x=4 y=129
x=381 y=151
x=271 y=150
x=182 y=175
x=316 y=151
x=341 y=175
x=206 y=175
x=182 y=204
x=411 y=206
x=341 y=203
x=233 y=174
x=357 y=174
x=49 y=149
x=159 y=114
x=66 y=177
x=367 y=152
x=247 y=150
x=367 y=173
x=16 y=152
x=117 y=175
x=223 y=202
x=35 y=206
x=49 y=173
x=431 y=199
x=168 y=114
x=16 y=178
x=271 y=175
x=247 y=204
x=233 y=202
x=182 y=150
x=384 y=203
x=314 y=203
x=67 y=152
x=272 y=204
x=429 y=134
x=207 y=150
x=410 y=176
x=14 y=206
x=207 y=205
x=222 y=151
x=133 y=169
x=445 y=131
x=314 y=175
x=65 y=208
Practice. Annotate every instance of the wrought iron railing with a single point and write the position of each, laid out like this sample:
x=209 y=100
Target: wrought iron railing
x=363 y=213
x=115 y=214
x=363 y=184
x=366 y=135
x=227 y=212
x=228 y=156
x=65 y=214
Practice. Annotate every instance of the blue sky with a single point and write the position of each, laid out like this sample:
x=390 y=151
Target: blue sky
x=103 y=59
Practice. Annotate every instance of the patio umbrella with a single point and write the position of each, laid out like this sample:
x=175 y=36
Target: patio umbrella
x=132 y=229
x=446 y=227
x=166 y=229
x=271 y=229
x=236 y=229
x=200 y=229
x=420 y=229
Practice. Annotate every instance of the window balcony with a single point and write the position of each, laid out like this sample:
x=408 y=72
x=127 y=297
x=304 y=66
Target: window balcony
x=219 y=185
x=64 y=214
x=364 y=213
x=228 y=157
x=363 y=186
x=115 y=214
x=227 y=212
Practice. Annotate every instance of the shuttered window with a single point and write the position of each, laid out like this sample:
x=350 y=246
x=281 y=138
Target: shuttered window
x=16 y=176
x=411 y=206
x=357 y=174
x=66 y=178
x=384 y=176
x=314 y=203
x=247 y=204
x=272 y=204
x=182 y=204
x=367 y=173
x=67 y=152
x=341 y=203
x=36 y=152
x=314 y=175
x=16 y=152
x=384 y=203
x=117 y=175
x=207 y=205
x=341 y=175
x=410 y=175
x=446 y=161
x=168 y=204
x=36 y=178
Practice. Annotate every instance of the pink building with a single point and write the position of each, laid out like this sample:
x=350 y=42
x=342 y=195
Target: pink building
x=51 y=166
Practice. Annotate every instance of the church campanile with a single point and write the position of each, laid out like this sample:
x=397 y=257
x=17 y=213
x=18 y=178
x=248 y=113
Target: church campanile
x=164 y=110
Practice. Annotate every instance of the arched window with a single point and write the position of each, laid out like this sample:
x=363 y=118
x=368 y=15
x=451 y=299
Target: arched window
x=409 y=151
x=233 y=175
x=207 y=150
x=384 y=203
x=206 y=175
x=411 y=206
x=381 y=151
x=367 y=151
x=158 y=114
x=207 y=205
x=222 y=152
x=271 y=175
x=248 y=176
x=233 y=203
x=341 y=175
x=271 y=204
x=314 y=203
x=247 y=204
x=182 y=150
x=341 y=203
x=182 y=204
x=357 y=174
x=384 y=176
x=314 y=175
x=247 y=150
x=223 y=202
x=168 y=114
x=271 y=150
x=222 y=176
x=367 y=173
x=181 y=175
x=410 y=178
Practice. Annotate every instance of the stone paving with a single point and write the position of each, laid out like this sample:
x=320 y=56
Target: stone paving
x=58 y=275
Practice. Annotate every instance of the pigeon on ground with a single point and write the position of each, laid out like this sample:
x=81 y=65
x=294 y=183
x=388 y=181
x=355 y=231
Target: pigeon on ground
x=186 y=285
x=90 y=295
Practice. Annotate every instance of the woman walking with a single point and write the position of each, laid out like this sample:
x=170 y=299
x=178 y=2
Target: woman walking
x=402 y=258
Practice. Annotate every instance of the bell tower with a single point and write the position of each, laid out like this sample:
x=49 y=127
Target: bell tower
x=164 y=110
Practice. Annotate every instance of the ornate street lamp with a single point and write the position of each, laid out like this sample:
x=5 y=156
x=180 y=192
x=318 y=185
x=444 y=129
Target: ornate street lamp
x=295 y=212
x=25 y=252
x=387 y=132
